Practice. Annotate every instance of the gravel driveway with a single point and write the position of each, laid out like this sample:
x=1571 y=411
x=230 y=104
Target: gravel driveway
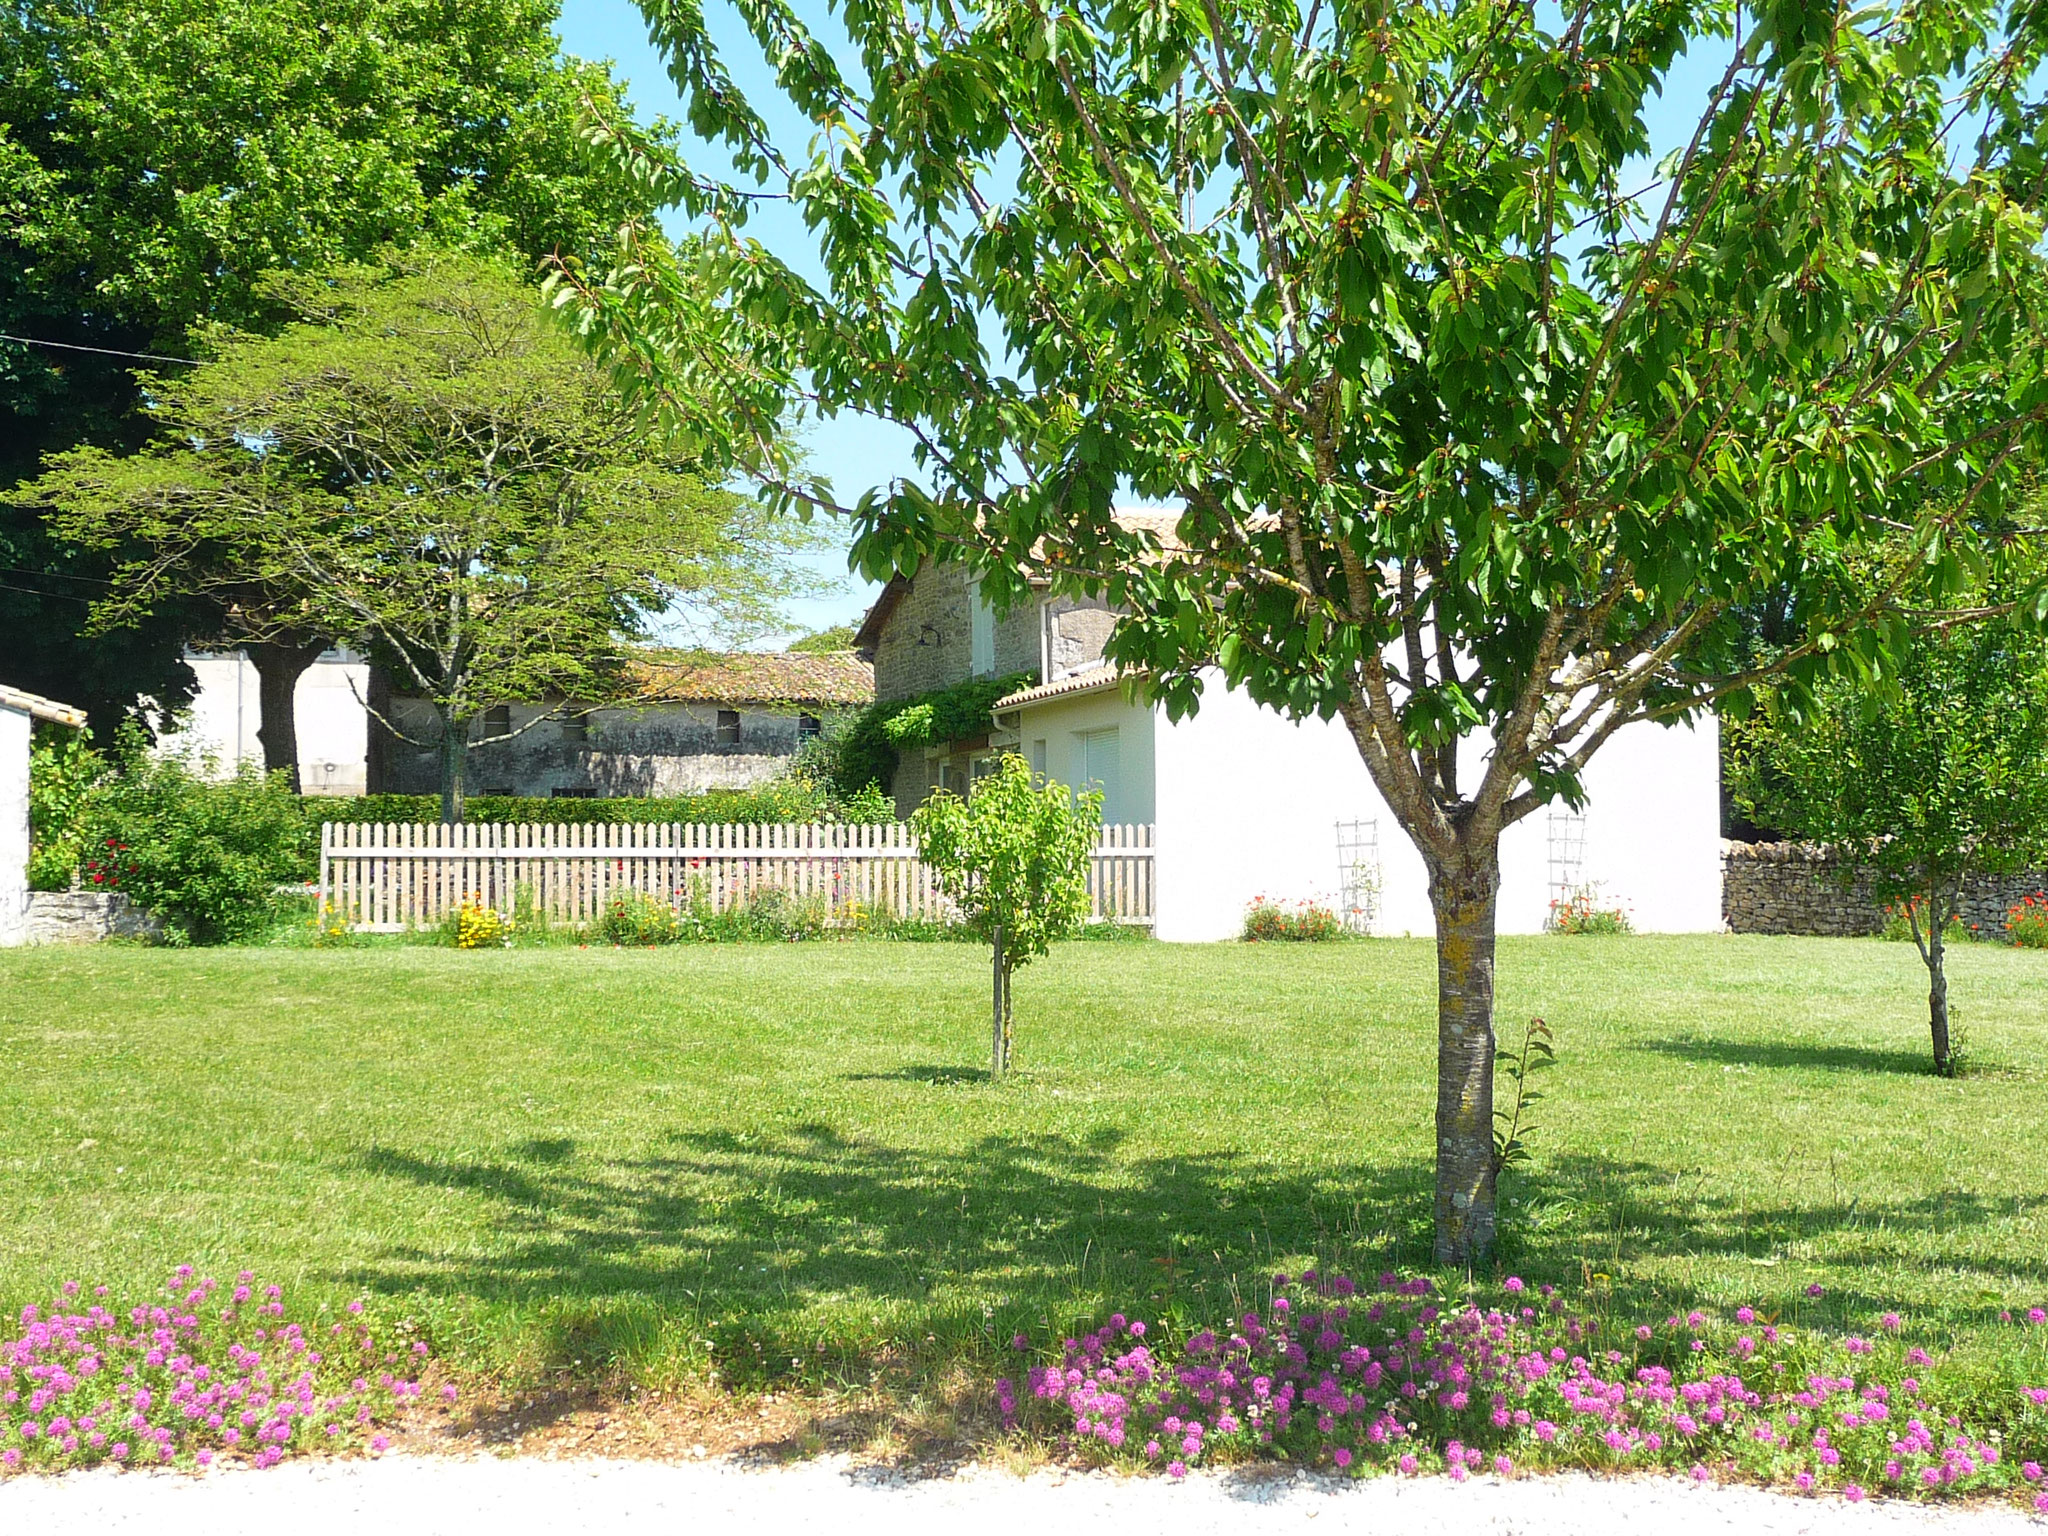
x=830 y=1497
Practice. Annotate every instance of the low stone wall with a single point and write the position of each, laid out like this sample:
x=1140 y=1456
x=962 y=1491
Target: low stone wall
x=1794 y=888
x=85 y=917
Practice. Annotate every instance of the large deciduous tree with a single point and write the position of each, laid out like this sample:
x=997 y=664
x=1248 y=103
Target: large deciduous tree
x=423 y=463
x=1486 y=428
x=158 y=156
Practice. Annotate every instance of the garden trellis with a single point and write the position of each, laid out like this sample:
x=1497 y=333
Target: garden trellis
x=380 y=877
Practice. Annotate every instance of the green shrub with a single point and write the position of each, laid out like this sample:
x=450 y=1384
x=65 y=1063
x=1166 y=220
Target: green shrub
x=1294 y=922
x=863 y=752
x=204 y=856
x=793 y=797
x=62 y=771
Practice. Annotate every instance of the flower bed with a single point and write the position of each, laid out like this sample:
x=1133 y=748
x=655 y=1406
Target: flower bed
x=194 y=1376
x=1398 y=1379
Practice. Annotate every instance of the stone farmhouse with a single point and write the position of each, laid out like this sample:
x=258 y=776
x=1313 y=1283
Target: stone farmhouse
x=700 y=721
x=1245 y=803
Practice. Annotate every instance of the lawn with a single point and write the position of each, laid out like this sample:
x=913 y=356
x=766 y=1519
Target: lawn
x=786 y=1161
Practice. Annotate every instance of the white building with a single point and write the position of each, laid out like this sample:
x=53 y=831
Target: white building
x=225 y=714
x=18 y=713
x=1245 y=803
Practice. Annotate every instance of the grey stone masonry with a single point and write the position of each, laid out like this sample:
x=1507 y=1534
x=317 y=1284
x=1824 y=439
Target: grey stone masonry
x=1796 y=888
x=85 y=917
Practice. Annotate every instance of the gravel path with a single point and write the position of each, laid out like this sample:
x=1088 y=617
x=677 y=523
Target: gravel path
x=424 y=1496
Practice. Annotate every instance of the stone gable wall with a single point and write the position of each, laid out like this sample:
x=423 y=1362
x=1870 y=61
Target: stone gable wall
x=1793 y=888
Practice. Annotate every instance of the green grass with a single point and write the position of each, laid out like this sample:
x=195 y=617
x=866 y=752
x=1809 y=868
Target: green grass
x=632 y=1162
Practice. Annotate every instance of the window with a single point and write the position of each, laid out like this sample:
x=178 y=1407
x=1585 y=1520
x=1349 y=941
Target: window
x=728 y=734
x=1101 y=758
x=1038 y=758
x=981 y=636
x=497 y=720
x=576 y=729
x=808 y=726
x=572 y=794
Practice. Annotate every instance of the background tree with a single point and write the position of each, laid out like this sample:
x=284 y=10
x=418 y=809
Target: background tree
x=1484 y=428
x=157 y=159
x=1935 y=774
x=1014 y=858
x=424 y=464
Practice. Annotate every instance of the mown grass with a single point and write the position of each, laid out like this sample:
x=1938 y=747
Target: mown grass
x=786 y=1162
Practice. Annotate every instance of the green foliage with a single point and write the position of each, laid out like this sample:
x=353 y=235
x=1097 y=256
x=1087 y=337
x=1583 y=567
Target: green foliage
x=62 y=770
x=824 y=642
x=1013 y=856
x=2026 y=921
x=1937 y=770
x=204 y=856
x=790 y=798
x=1511 y=1127
x=156 y=159
x=865 y=750
x=1489 y=419
x=421 y=460
x=1297 y=922
x=636 y=920
x=1903 y=920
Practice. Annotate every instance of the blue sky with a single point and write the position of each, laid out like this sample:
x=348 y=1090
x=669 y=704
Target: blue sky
x=858 y=454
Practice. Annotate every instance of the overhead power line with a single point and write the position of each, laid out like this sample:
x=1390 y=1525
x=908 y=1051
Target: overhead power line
x=69 y=346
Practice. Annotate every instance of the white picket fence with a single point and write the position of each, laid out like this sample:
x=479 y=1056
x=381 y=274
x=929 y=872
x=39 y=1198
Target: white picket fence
x=381 y=877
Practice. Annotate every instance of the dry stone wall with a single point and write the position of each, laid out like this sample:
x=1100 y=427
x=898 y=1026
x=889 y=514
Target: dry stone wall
x=1794 y=888
x=84 y=917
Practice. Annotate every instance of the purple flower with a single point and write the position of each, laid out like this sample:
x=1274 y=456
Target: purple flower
x=1408 y=1464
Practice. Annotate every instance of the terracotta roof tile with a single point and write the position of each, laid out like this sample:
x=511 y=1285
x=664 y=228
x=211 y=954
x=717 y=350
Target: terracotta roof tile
x=831 y=678
x=1087 y=680
x=41 y=708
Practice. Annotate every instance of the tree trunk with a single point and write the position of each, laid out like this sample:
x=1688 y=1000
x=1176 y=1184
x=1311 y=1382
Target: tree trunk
x=1937 y=984
x=279 y=665
x=454 y=762
x=379 y=744
x=999 y=1010
x=1462 y=894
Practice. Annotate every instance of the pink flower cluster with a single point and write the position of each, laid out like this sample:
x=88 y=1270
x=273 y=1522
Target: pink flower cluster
x=1330 y=1373
x=194 y=1376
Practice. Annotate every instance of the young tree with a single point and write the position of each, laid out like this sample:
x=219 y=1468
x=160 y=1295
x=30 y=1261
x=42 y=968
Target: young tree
x=1936 y=773
x=422 y=463
x=157 y=157
x=1014 y=857
x=1484 y=428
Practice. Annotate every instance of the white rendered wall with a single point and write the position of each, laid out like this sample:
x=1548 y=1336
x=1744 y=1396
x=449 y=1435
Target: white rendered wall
x=333 y=727
x=1062 y=722
x=14 y=738
x=1247 y=804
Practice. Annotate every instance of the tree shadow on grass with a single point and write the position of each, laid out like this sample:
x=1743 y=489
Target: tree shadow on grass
x=805 y=1251
x=927 y=1074
x=1778 y=1054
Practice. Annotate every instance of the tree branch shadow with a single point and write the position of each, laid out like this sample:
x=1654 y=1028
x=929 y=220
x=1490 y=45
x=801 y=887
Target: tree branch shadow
x=788 y=1251
x=1782 y=1055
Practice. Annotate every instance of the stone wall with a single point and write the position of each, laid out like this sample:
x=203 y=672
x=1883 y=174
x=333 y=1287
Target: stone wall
x=662 y=749
x=1793 y=888
x=84 y=917
x=928 y=641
